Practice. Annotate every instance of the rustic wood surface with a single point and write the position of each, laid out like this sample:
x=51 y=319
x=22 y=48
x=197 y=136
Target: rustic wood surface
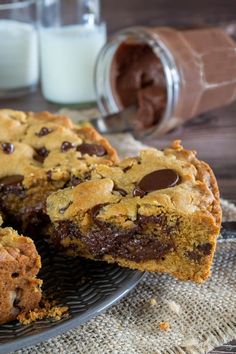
x=213 y=134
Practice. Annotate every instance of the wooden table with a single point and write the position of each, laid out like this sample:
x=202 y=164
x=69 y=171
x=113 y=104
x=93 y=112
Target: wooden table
x=213 y=135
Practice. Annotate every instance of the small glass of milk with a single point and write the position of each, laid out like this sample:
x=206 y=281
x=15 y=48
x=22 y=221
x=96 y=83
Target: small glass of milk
x=19 y=57
x=69 y=48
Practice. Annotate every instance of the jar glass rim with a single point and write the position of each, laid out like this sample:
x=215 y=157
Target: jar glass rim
x=168 y=64
x=17 y=5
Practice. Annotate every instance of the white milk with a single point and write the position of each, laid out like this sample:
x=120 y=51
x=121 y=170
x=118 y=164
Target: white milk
x=18 y=55
x=68 y=56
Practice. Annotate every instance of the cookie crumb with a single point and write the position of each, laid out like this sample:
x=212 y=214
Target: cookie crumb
x=153 y=302
x=47 y=309
x=164 y=326
x=174 y=307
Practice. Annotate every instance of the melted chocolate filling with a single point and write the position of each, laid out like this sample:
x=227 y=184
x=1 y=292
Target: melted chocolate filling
x=132 y=244
x=12 y=184
x=64 y=229
x=199 y=251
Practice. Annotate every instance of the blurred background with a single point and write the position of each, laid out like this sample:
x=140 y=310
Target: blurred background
x=179 y=13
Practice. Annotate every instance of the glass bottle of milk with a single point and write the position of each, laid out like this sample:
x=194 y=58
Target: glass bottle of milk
x=69 y=48
x=19 y=69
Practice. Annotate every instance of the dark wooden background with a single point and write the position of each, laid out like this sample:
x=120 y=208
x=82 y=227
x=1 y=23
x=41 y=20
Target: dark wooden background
x=213 y=134
x=181 y=13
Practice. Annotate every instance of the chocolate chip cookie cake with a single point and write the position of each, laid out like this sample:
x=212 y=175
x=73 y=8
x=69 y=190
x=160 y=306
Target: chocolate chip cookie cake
x=40 y=153
x=156 y=212
x=159 y=211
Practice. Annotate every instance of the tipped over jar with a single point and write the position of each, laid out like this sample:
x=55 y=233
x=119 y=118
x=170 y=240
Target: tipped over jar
x=170 y=75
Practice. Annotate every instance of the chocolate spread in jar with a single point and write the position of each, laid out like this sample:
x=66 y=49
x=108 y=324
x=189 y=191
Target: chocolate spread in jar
x=206 y=62
x=137 y=78
x=194 y=72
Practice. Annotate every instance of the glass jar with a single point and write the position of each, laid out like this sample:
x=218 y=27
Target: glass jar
x=70 y=42
x=19 y=69
x=195 y=71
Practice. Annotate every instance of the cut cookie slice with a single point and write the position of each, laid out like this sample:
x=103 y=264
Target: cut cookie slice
x=156 y=212
x=19 y=266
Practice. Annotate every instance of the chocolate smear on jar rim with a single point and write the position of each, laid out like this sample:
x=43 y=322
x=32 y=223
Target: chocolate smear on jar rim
x=159 y=179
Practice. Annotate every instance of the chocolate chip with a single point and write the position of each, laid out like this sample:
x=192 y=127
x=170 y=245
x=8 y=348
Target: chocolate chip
x=87 y=175
x=92 y=149
x=143 y=220
x=74 y=181
x=205 y=248
x=42 y=153
x=11 y=180
x=49 y=175
x=43 y=131
x=120 y=190
x=38 y=158
x=15 y=275
x=138 y=192
x=199 y=251
x=62 y=210
x=8 y=148
x=159 y=179
x=127 y=168
x=194 y=256
x=66 y=145
x=94 y=212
